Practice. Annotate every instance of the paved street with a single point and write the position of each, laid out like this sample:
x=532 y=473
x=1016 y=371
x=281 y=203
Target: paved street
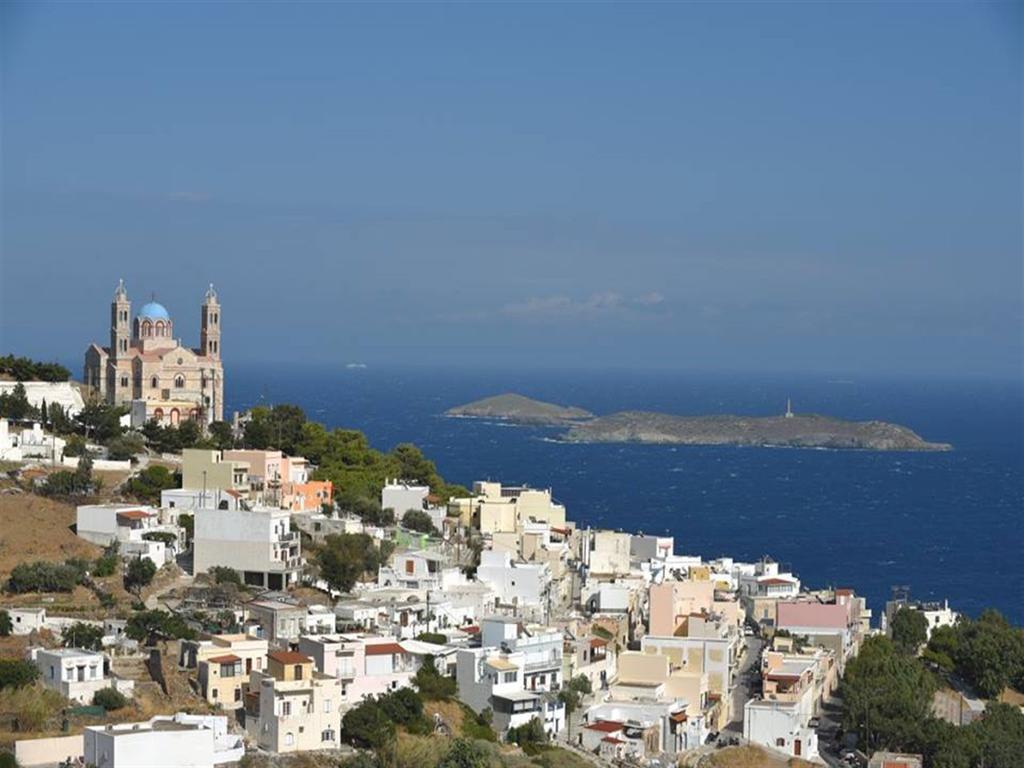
x=746 y=675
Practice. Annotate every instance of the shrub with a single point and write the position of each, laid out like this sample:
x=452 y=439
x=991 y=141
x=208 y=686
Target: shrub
x=436 y=638
x=528 y=735
x=106 y=566
x=6 y=626
x=464 y=753
x=42 y=576
x=125 y=447
x=140 y=573
x=17 y=673
x=224 y=575
x=168 y=538
x=32 y=707
x=147 y=485
x=109 y=698
x=431 y=684
x=366 y=725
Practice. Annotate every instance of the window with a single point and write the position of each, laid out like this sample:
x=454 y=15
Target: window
x=327 y=706
x=780 y=742
x=179 y=382
x=154 y=382
x=298 y=671
x=510 y=677
x=289 y=739
x=286 y=708
x=327 y=735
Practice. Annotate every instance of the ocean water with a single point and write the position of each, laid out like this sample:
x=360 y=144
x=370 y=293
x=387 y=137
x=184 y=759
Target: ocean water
x=948 y=525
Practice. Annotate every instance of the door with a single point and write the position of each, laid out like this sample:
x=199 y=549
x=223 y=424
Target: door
x=796 y=748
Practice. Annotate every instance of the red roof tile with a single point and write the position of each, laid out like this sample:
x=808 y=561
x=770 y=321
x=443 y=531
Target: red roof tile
x=289 y=657
x=135 y=514
x=598 y=642
x=613 y=740
x=228 y=658
x=606 y=726
x=384 y=649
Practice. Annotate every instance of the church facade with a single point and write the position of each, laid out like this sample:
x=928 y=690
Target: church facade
x=148 y=369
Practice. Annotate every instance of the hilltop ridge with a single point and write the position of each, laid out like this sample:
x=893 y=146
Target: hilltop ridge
x=519 y=409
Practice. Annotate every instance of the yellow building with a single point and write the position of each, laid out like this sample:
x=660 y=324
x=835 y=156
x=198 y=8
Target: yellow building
x=205 y=469
x=224 y=664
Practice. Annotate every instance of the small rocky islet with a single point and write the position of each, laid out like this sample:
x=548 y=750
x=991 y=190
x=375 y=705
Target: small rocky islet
x=790 y=430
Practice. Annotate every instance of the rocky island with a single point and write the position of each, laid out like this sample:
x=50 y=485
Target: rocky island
x=789 y=430
x=519 y=410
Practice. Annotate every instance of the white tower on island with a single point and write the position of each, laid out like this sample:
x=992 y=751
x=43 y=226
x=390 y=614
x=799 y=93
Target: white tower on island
x=789 y=408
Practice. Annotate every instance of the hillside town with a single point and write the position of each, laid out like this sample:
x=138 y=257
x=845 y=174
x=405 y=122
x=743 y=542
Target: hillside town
x=242 y=602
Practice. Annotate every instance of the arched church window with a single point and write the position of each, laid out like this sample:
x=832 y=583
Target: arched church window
x=175 y=416
x=158 y=414
x=154 y=382
x=179 y=381
x=124 y=381
x=147 y=329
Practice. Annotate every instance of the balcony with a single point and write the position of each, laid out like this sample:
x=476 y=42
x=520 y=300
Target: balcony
x=550 y=662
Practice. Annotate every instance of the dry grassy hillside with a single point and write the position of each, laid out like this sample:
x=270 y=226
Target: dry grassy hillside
x=36 y=528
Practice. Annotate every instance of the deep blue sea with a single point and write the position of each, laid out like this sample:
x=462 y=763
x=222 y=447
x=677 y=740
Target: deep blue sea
x=948 y=525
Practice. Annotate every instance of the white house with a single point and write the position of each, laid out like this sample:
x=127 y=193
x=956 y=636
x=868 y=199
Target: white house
x=181 y=741
x=541 y=648
x=26 y=620
x=413 y=570
x=492 y=679
x=402 y=497
x=524 y=586
x=76 y=673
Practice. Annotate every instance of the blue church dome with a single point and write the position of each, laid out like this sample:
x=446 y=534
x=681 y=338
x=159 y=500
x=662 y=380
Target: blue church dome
x=154 y=311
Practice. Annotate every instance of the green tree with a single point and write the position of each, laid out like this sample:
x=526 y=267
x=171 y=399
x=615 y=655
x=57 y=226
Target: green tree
x=187 y=524
x=6 y=625
x=101 y=421
x=416 y=520
x=150 y=626
x=82 y=635
x=140 y=572
x=17 y=673
x=125 y=447
x=432 y=685
x=572 y=696
x=989 y=653
x=909 y=630
x=148 y=484
x=15 y=405
x=366 y=725
x=221 y=435
x=887 y=696
x=42 y=576
x=109 y=699
x=345 y=558
x=224 y=575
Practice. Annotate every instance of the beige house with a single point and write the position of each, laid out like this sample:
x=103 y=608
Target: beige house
x=210 y=471
x=494 y=508
x=709 y=656
x=146 y=365
x=292 y=708
x=224 y=663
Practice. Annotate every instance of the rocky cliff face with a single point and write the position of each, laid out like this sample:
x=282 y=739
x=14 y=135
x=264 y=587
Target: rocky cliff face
x=801 y=431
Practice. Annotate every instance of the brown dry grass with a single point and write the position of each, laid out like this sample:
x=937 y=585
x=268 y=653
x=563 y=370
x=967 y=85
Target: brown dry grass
x=747 y=757
x=451 y=712
x=36 y=528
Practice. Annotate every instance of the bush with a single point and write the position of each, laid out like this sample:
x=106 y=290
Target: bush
x=109 y=698
x=147 y=485
x=168 y=538
x=140 y=573
x=17 y=673
x=464 y=753
x=34 y=708
x=106 y=565
x=478 y=726
x=432 y=685
x=75 y=446
x=528 y=735
x=224 y=575
x=435 y=638
x=42 y=576
x=125 y=447
x=6 y=626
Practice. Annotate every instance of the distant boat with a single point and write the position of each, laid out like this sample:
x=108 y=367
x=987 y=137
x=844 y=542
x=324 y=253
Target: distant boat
x=355 y=366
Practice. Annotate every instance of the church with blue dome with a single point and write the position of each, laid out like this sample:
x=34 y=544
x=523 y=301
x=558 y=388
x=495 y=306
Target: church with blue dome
x=149 y=369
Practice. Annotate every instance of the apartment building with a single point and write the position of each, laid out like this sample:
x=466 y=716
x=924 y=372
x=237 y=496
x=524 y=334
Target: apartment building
x=494 y=508
x=525 y=587
x=541 y=648
x=223 y=665
x=258 y=543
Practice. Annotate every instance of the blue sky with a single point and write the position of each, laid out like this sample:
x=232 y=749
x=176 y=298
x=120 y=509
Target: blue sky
x=759 y=186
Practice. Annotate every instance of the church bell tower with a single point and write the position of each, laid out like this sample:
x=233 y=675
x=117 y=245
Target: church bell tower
x=120 y=322
x=209 y=335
